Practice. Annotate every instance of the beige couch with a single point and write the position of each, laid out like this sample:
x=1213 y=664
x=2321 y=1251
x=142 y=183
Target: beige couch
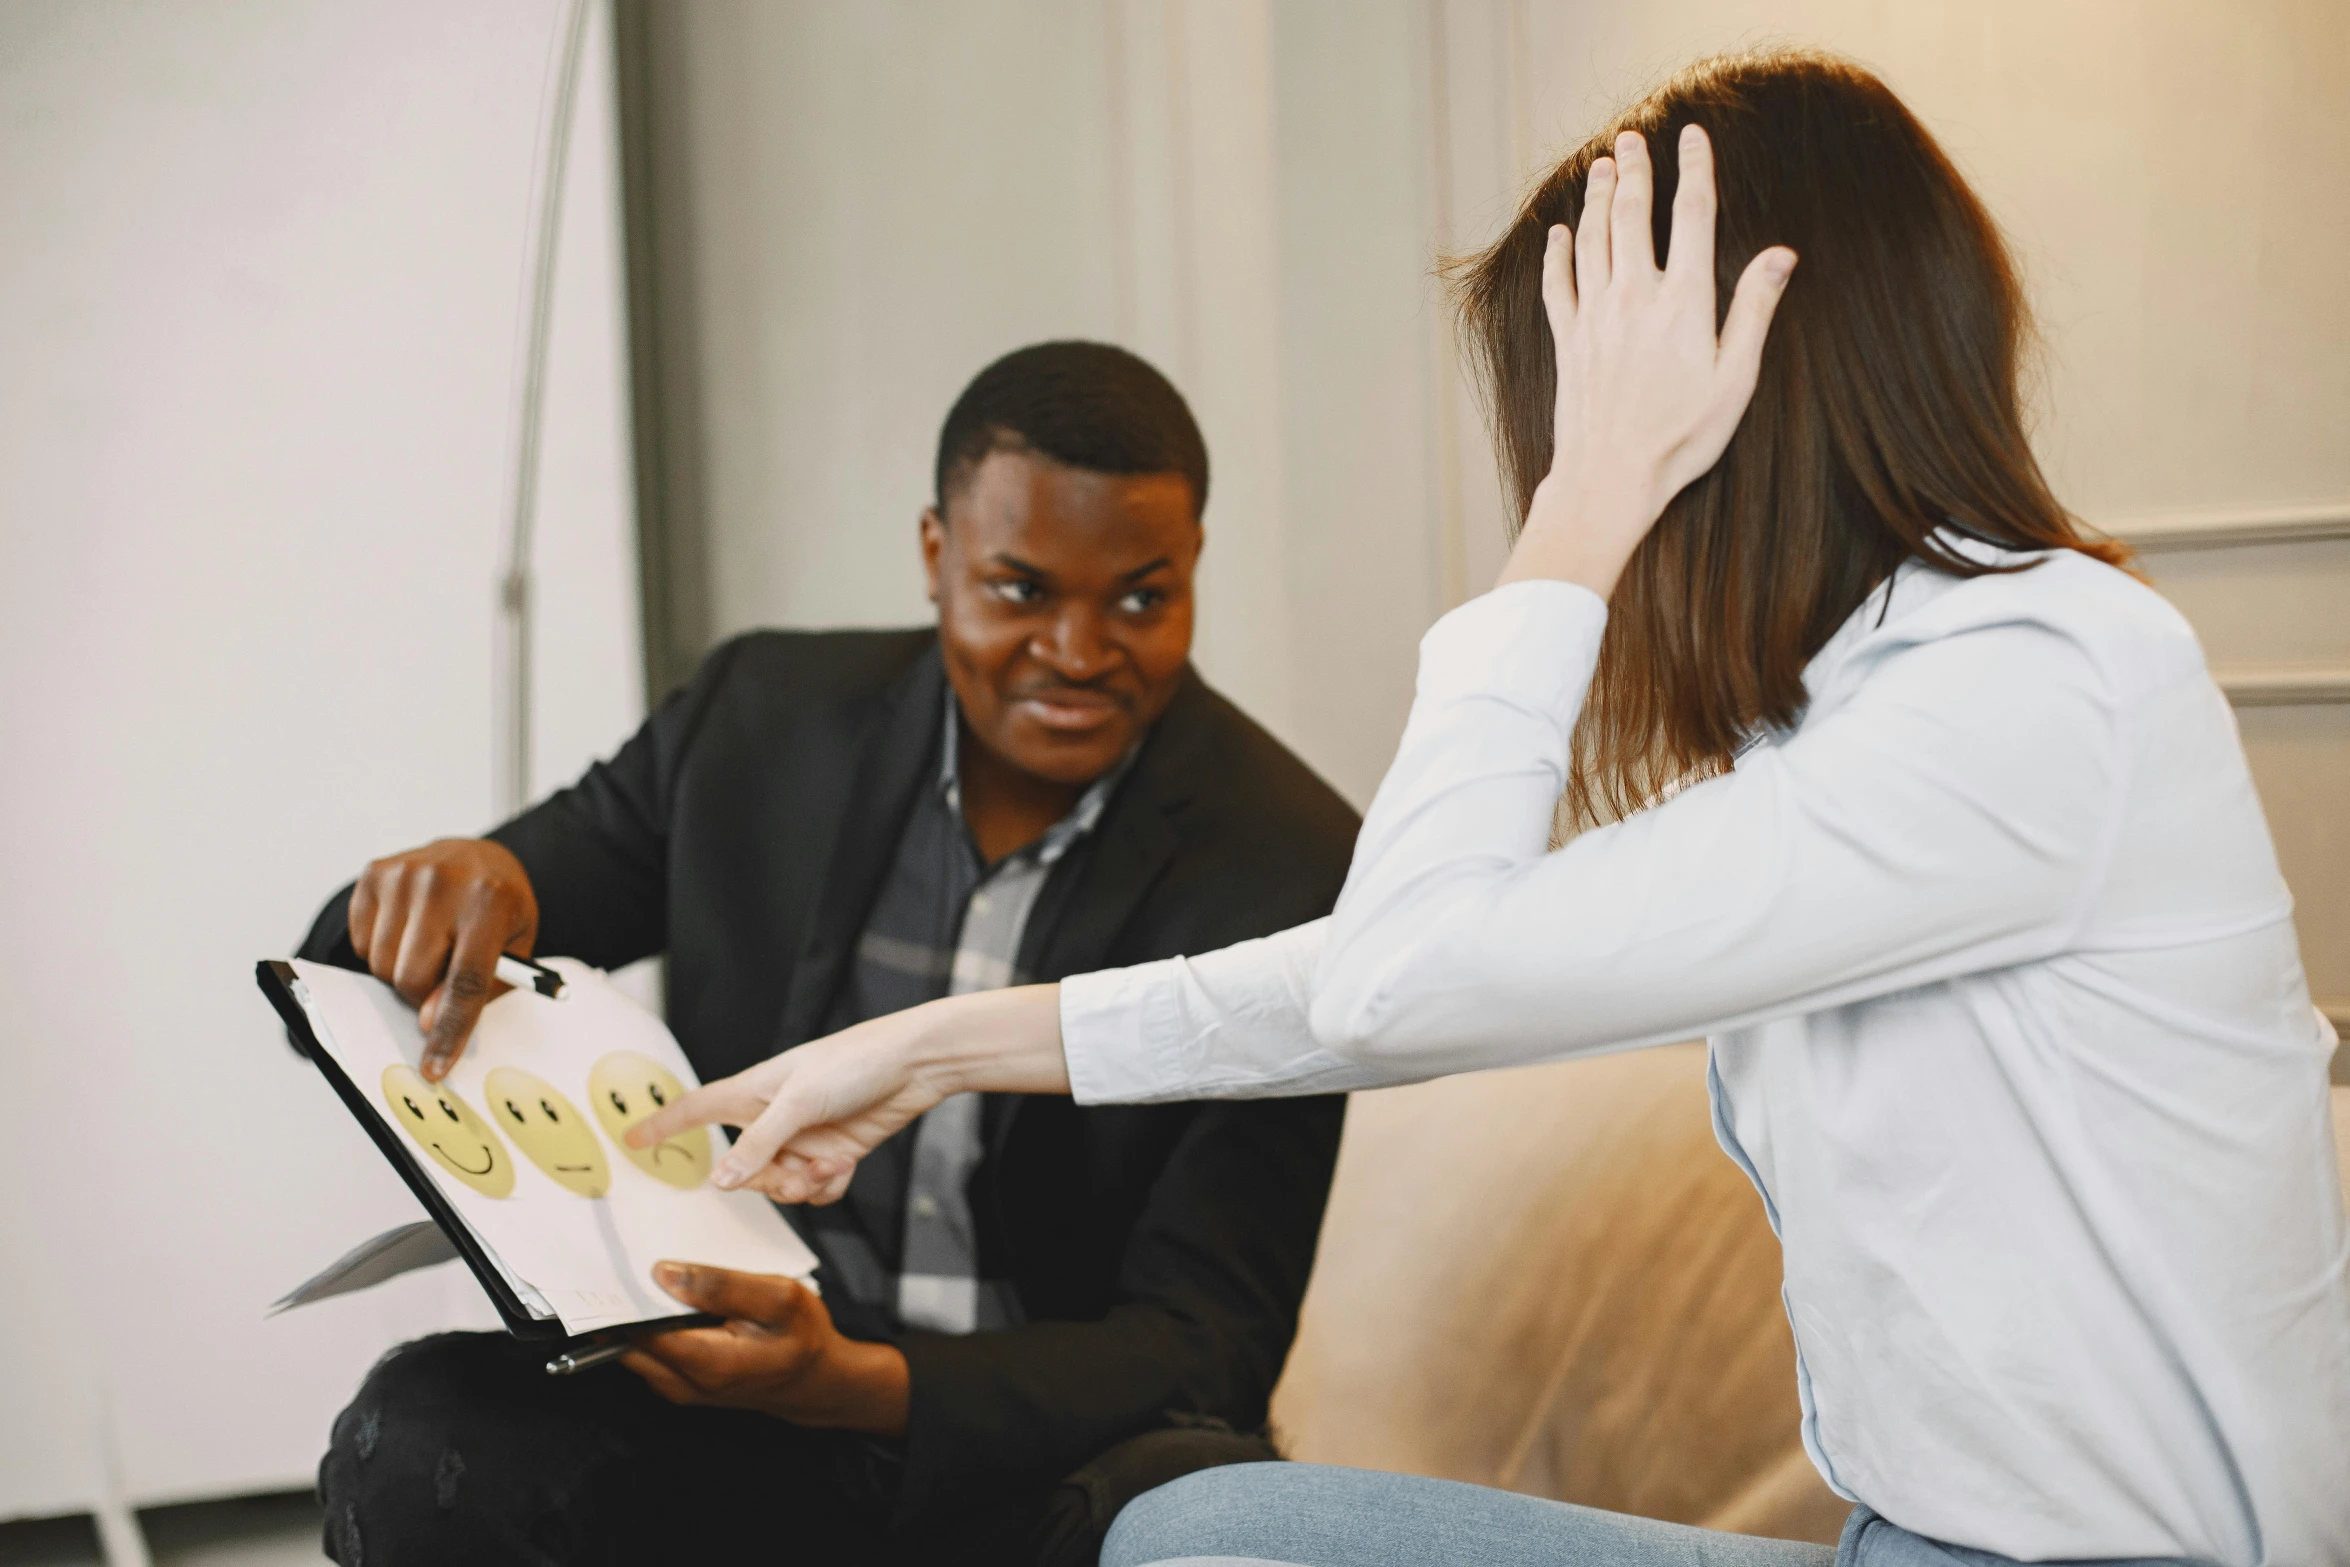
x=1553 y=1280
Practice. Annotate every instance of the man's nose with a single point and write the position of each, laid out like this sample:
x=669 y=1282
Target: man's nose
x=1074 y=646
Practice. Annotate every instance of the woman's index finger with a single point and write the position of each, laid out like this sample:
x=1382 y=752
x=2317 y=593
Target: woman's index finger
x=712 y=1103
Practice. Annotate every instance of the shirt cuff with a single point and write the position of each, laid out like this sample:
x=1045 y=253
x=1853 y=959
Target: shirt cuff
x=1122 y=1033
x=1531 y=644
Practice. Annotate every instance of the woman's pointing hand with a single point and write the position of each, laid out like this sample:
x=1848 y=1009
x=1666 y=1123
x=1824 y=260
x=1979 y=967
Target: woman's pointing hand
x=809 y=1114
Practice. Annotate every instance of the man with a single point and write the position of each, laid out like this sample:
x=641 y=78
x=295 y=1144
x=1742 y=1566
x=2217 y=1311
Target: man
x=1030 y=1311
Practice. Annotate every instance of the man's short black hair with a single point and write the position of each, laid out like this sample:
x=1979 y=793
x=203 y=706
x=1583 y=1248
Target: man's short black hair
x=1088 y=405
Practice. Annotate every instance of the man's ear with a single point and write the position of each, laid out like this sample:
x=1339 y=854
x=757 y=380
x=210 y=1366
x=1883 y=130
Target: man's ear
x=934 y=543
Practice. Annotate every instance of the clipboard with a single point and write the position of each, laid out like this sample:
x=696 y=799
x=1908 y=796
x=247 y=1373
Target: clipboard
x=573 y=1210
x=277 y=981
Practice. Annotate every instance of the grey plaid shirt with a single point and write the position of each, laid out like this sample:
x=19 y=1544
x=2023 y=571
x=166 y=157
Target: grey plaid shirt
x=945 y=923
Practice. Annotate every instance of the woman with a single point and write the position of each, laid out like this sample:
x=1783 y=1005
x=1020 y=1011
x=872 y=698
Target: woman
x=1930 y=816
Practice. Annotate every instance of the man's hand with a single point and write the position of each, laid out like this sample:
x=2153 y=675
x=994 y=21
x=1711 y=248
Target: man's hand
x=777 y=1353
x=431 y=923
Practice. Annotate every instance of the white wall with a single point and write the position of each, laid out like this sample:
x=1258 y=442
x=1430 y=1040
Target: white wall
x=259 y=285
x=859 y=172
x=2174 y=175
x=884 y=197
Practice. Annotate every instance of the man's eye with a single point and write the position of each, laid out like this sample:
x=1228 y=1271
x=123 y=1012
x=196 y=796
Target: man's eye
x=1141 y=601
x=1018 y=590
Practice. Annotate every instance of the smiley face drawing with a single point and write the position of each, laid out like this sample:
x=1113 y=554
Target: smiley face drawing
x=445 y=1126
x=548 y=1129
x=625 y=1088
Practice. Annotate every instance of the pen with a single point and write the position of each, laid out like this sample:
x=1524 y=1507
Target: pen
x=523 y=974
x=569 y=1361
x=572 y=1360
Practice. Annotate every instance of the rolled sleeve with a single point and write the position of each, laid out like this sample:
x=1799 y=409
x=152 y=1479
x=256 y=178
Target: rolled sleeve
x=1121 y=1031
x=1231 y=1024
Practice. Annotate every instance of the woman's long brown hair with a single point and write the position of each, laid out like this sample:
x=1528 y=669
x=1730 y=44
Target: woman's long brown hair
x=1888 y=407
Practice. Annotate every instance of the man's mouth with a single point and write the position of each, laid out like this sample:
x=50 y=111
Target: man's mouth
x=1071 y=710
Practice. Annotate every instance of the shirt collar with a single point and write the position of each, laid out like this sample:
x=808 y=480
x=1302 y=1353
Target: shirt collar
x=1057 y=839
x=1913 y=585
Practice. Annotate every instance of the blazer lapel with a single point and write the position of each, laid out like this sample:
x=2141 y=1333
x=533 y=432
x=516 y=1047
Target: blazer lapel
x=900 y=752
x=1075 y=921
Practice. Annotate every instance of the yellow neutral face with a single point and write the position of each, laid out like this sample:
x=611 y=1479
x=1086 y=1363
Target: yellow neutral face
x=445 y=1127
x=625 y=1088
x=549 y=1130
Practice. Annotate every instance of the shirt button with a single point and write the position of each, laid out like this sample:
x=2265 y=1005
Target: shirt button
x=979 y=904
x=925 y=1206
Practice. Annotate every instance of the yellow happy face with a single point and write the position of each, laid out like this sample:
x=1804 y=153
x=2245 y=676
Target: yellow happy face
x=548 y=1129
x=625 y=1088
x=445 y=1127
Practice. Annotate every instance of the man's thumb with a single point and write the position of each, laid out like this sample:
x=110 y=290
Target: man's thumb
x=742 y=1297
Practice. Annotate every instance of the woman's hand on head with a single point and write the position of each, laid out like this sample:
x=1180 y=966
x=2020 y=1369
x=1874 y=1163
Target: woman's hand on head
x=1648 y=393
x=809 y=1114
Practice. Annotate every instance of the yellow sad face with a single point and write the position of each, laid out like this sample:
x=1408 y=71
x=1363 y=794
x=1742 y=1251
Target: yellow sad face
x=445 y=1127
x=548 y=1129
x=625 y=1088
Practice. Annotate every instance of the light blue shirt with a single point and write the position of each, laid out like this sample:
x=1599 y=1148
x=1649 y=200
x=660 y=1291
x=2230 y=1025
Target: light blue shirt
x=2008 y=1026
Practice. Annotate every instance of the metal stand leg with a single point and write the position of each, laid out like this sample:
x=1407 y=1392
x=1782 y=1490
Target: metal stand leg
x=120 y=1537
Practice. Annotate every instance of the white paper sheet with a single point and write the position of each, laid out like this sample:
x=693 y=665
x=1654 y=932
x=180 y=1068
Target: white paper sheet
x=523 y=1138
x=403 y=1249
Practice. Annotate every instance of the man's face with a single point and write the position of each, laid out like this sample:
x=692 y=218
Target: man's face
x=1064 y=607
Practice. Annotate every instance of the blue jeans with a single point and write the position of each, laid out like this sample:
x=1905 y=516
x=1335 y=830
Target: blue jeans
x=1308 y=1515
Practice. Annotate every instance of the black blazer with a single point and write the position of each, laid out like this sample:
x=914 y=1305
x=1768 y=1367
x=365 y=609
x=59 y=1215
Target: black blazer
x=1159 y=1252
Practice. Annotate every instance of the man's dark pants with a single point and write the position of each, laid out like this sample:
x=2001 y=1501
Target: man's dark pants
x=460 y=1450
